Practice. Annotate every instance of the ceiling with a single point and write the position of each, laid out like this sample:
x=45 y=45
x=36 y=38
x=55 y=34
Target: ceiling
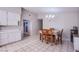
x=42 y=10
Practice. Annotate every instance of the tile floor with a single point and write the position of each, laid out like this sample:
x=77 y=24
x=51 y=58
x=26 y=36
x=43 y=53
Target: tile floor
x=33 y=44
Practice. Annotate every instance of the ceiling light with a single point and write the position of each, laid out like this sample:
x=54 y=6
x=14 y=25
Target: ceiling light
x=50 y=16
x=53 y=16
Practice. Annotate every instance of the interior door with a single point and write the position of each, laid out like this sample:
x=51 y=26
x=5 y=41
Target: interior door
x=40 y=24
x=26 y=25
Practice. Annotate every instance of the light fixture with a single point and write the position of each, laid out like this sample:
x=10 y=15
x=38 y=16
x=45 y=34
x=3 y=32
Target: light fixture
x=53 y=16
x=50 y=16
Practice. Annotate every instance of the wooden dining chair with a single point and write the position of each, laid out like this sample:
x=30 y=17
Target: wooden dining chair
x=54 y=36
x=43 y=34
x=60 y=36
x=40 y=34
x=50 y=37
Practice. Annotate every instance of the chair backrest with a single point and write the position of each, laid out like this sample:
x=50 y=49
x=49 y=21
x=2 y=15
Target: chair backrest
x=61 y=32
x=44 y=31
x=47 y=31
x=52 y=28
x=51 y=31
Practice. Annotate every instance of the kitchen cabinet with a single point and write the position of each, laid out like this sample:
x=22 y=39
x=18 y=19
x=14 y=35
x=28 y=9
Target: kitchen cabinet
x=3 y=17
x=9 y=36
x=3 y=38
x=13 y=18
x=14 y=36
x=9 y=18
x=76 y=43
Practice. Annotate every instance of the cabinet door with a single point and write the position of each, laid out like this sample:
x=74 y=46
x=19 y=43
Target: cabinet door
x=13 y=18
x=3 y=38
x=3 y=17
x=76 y=43
x=13 y=36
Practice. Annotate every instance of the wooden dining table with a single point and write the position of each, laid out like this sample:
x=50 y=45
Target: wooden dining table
x=53 y=34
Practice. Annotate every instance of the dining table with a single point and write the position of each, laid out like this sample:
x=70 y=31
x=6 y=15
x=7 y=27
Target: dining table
x=54 y=33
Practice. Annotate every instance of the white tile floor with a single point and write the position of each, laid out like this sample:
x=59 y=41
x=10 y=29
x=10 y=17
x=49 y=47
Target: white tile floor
x=33 y=44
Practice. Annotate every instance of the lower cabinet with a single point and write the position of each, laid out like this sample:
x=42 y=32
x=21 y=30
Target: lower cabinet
x=14 y=36
x=3 y=38
x=76 y=43
x=9 y=37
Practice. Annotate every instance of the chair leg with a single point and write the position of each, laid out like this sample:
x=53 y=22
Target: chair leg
x=56 y=41
x=46 y=40
x=61 y=41
x=52 y=40
x=42 y=40
x=40 y=36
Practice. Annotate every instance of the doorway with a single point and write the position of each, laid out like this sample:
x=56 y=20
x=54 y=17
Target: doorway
x=40 y=24
x=26 y=25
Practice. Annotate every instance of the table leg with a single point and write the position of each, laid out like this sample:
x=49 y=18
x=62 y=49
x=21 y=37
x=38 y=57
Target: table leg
x=40 y=36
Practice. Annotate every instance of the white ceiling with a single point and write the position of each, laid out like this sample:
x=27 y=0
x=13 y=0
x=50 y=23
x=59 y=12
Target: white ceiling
x=39 y=10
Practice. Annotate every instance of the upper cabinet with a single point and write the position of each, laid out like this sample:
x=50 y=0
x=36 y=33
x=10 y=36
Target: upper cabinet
x=3 y=17
x=13 y=18
x=9 y=18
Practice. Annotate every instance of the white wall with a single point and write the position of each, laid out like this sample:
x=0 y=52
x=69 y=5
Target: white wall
x=33 y=29
x=78 y=21
x=65 y=20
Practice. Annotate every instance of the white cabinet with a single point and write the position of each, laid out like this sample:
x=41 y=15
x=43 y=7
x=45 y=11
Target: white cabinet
x=3 y=17
x=9 y=18
x=14 y=36
x=9 y=37
x=76 y=43
x=3 y=38
x=13 y=18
